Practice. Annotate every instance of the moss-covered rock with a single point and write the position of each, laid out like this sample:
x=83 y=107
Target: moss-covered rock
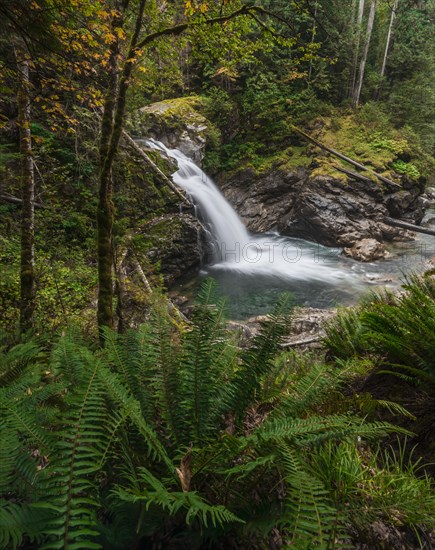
x=178 y=123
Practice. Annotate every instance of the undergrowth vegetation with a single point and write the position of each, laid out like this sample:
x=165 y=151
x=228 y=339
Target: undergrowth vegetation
x=172 y=436
x=397 y=328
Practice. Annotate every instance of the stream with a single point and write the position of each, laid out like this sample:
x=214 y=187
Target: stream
x=253 y=270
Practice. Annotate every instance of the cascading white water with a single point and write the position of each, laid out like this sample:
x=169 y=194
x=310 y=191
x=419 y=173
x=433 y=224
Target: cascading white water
x=238 y=251
x=225 y=225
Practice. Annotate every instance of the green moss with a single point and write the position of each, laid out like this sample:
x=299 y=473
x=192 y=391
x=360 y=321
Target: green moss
x=186 y=108
x=296 y=157
x=366 y=138
x=173 y=115
x=328 y=169
x=405 y=168
x=250 y=156
x=157 y=233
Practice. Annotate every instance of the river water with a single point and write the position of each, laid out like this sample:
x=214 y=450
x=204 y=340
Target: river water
x=253 y=270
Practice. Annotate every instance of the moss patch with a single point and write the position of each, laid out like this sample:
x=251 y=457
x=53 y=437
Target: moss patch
x=173 y=116
x=370 y=140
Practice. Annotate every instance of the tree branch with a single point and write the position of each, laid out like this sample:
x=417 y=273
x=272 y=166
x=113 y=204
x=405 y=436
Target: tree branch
x=246 y=9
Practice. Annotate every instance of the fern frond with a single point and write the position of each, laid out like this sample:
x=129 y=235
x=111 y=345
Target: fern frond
x=129 y=407
x=17 y=360
x=308 y=391
x=315 y=430
x=69 y=356
x=258 y=359
x=159 y=375
x=249 y=465
x=19 y=521
x=154 y=493
x=207 y=357
x=309 y=516
x=69 y=487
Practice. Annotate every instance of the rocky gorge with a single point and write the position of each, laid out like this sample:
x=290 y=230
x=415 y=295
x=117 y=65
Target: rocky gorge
x=304 y=196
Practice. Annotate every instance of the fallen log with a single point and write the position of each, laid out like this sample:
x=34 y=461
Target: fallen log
x=410 y=226
x=339 y=155
x=16 y=200
x=355 y=175
x=130 y=141
x=302 y=341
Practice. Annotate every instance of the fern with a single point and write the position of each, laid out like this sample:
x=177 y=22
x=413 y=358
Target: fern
x=206 y=361
x=343 y=334
x=18 y=521
x=158 y=373
x=70 y=489
x=307 y=391
x=399 y=328
x=154 y=493
x=15 y=362
x=171 y=435
x=258 y=360
x=309 y=517
x=129 y=407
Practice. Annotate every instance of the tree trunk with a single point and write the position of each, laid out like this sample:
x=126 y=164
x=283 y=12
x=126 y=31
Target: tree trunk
x=313 y=37
x=387 y=45
x=410 y=226
x=111 y=130
x=27 y=268
x=362 y=66
x=105 y=209
x=357 y=43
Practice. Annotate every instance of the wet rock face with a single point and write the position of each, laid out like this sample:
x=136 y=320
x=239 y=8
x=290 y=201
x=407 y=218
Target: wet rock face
x=177 y=242
x=262 y=202
x=330 y=211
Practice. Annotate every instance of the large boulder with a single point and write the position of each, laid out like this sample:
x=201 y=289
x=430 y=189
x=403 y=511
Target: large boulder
x=367 y=250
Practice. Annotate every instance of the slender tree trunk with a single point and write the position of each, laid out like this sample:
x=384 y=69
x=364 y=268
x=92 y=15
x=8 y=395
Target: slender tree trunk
x=357 y=43
x=352 y=27
x=111 y=130
x=27 y=268
x=362 y=66
x=313 y=37
x=390 y=30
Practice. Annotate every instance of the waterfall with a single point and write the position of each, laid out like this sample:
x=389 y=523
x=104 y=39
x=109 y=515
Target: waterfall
x=237 y=251
x=224 y=224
